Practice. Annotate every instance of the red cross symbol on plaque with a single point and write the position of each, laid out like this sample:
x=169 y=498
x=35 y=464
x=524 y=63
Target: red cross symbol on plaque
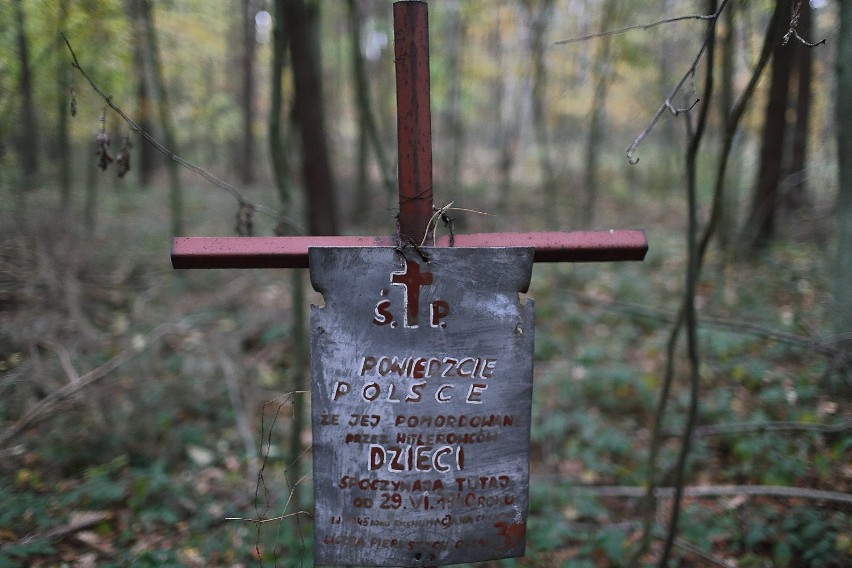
x=412 y=279
x=414 y=140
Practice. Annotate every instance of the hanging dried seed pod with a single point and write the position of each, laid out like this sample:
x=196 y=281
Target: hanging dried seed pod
x=102 y=142
x=122 y=159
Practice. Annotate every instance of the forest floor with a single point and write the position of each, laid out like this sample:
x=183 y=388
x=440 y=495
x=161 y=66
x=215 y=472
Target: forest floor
x=138 y=403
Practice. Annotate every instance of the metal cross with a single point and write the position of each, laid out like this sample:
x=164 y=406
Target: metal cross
x=412 y=279
x=414 y=145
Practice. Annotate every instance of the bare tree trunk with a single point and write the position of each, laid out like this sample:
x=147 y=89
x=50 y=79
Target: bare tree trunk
x=147 y=160
x=278 y=143
x=368 y=134
x=147 y=156
x=585 y=215
x=302 y=20
x=28 y=136
x=278 y=151
x=63 y=73
x=760 y=227
x=453 y=123
x=161 y=94
x=249 y=42
x=797 y=195
x=362 y=189
x=843 y=289
x=362 y=182
x=505 y=102
x=727 y=45
x=90 y=206
x=539 y=12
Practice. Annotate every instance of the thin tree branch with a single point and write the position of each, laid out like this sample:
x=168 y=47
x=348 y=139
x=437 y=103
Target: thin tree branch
x=691 y=317
x=262 y=519
x=363 y=97
x=805 y=42
x=637 y=27
x=667 y=104
x=261 y=480
x=171 y=155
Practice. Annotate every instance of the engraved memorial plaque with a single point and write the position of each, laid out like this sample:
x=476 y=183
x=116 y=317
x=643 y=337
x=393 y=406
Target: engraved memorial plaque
x=421 y=393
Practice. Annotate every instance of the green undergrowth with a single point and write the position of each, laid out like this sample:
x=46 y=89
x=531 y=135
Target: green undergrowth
x=146 y=464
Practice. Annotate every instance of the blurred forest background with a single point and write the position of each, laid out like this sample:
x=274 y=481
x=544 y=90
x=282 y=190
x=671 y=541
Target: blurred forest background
x=691 y=410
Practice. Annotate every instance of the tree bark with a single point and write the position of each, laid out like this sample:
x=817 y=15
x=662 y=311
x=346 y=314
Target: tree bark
x=506 y=103
x=147 y=159
x=797 y=195
x=28 y=135
x=302 y=19
x=249 y=42
x=362 y=189
x=278 y=143
x=175 y=191
x=539 y=16
x=843 y=286
x=368 y=133
x=147 y=156
x=63 y=74
x=597 y=118
x=278 y=155
x=453 y=123
x=727 y=47
x=90 y=205
x=761 y=224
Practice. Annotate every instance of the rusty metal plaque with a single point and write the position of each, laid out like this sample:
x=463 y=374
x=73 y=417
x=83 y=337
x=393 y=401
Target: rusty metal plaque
x=421 y=392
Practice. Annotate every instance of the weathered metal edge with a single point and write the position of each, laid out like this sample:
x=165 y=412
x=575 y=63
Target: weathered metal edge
x=292 y=252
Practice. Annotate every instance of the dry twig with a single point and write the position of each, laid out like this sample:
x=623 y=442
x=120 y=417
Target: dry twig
x=794 y=32
x=441 y=213
x=78 y=522
x=667 y=104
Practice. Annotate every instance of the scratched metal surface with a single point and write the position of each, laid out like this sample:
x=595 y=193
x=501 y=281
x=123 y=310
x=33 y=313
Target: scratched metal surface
x=421 y=460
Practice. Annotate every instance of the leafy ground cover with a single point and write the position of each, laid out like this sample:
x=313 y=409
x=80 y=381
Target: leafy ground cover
x=138 y=405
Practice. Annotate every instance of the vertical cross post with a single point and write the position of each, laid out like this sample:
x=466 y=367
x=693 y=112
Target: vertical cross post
x=414 y=118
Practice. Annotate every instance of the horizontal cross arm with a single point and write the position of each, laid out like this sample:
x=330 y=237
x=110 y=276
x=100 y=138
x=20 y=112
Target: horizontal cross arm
x=292 y=252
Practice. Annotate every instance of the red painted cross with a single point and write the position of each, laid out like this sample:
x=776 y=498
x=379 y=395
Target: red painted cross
x=414 y=140
x=412 y=279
